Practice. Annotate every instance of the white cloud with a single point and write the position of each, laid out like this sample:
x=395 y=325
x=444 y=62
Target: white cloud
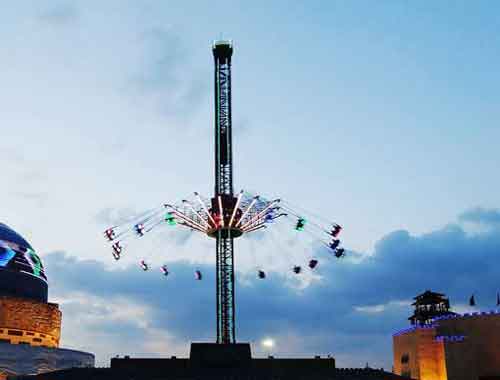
x=370 y=309
x=101 y=325
x=380 y=308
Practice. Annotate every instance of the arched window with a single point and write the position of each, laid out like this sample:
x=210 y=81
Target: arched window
x=405 y=358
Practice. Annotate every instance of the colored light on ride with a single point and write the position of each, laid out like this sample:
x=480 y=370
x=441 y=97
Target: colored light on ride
x=6 y=254
x=450 y=338
x=204 y=207
x=197 y=213
x=17 y=258
x=259 y=215
x=221 y=211
x=235 y=208
x=254 y=200
x=300 y=224
x=35 y=262
x=170 y=219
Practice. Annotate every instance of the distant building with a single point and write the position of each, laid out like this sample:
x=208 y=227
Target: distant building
x=442 y=345
x=30 y=327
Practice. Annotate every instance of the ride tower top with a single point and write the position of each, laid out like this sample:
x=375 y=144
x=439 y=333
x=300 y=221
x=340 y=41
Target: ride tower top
x=222 y=49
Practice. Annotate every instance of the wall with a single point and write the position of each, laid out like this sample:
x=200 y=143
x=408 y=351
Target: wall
x=405 y=345
x=478 y=354
x=431 y=356
x=23 y=359
x=24 y=321
x=460 y=347
x=425 y=355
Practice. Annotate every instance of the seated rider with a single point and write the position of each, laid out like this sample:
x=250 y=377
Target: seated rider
x=339 y=252
x=164 y=269
x=334 y=244
x=313 y=263
x=336 y=230
x=110 y=234
x=198 y=275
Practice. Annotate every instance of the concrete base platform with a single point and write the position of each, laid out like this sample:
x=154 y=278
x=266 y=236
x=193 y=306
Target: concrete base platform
x=213 y=355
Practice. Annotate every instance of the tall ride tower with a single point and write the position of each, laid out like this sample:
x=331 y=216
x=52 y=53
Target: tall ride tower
x=225 y=216
x=224 y=199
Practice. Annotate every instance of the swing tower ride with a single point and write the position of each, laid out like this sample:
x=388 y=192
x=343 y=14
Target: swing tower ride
x=225 y=216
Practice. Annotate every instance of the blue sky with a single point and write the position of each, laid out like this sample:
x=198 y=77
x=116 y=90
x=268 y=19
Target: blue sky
x=382 y=116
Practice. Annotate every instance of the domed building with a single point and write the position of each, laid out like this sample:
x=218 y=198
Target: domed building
x=30 y=326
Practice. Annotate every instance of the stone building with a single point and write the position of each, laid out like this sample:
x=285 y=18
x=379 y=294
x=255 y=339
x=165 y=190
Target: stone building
x=30 y=327
x=448 y=346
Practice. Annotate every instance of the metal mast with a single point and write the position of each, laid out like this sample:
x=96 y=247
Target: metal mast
x=223 y=200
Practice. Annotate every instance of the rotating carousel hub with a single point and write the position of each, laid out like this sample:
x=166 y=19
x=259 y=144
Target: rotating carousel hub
x=226 y=217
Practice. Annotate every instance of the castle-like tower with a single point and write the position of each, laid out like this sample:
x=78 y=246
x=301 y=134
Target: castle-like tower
x=429 y=305
x=25 y=315
x=442 y=345
x=30 y=326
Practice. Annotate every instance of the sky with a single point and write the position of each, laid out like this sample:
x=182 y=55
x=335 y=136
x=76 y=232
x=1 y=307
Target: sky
x=380 y=116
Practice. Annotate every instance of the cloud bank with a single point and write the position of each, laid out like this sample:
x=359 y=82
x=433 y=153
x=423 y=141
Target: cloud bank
x=350 y=312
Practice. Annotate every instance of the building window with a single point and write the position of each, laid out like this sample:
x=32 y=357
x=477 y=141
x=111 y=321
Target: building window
x=15 y=332
x=42 y=335
x=30 y=333
x=37 y=340
x=405 y=359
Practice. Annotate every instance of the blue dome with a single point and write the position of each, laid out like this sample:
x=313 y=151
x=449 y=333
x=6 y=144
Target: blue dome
x=8 y=234
x=21 y=270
